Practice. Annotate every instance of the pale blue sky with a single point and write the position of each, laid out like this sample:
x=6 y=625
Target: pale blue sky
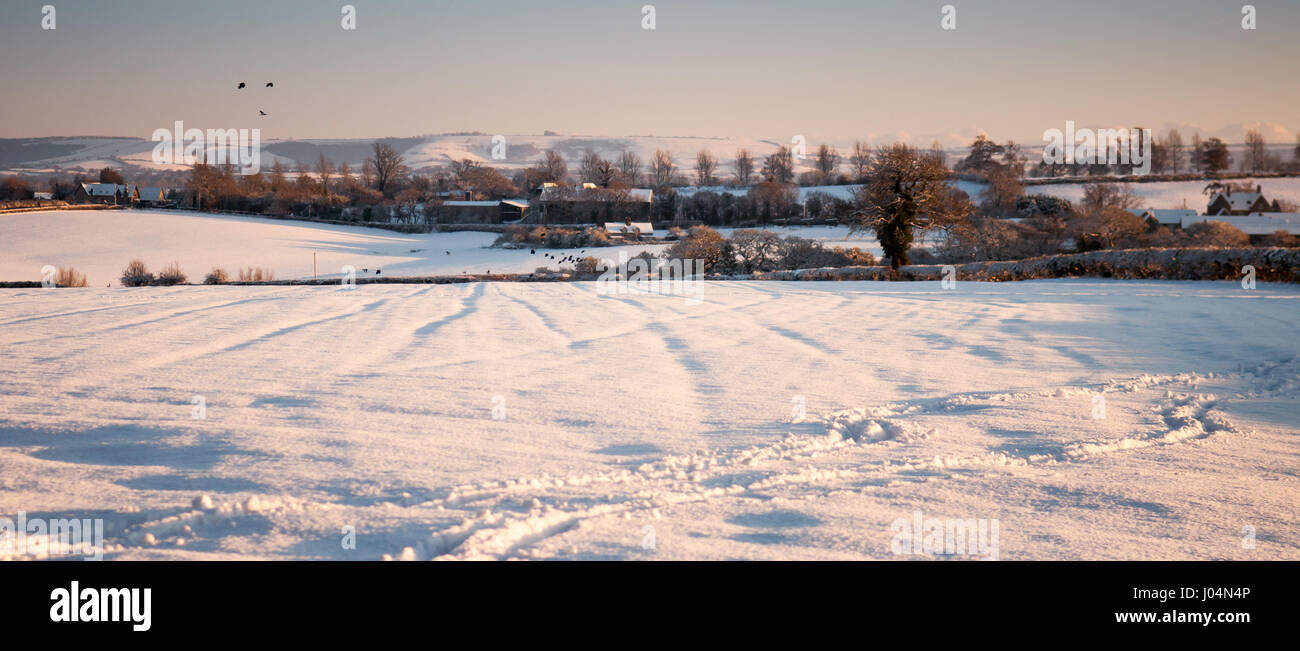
x=756 y=68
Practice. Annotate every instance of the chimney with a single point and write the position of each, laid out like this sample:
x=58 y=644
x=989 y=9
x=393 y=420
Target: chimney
x=1259 y=189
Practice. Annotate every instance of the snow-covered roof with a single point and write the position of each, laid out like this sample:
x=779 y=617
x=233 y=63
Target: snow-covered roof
x=103 y=189
x=1256 y=223
x=480 y=204
x=1238 y=200
x=1164 y=215
x=552 y=192
x=643 y=228
x=517 y=203
x=150 y=194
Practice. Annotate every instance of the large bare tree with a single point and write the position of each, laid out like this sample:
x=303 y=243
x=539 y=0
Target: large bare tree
x=387 y=164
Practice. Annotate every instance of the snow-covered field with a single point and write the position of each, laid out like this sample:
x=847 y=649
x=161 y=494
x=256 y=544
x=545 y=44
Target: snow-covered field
x=101 y=243
x=769 y=421
x=1177 y=194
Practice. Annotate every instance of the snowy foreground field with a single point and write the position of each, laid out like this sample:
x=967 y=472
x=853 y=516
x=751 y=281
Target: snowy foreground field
x=542 y=421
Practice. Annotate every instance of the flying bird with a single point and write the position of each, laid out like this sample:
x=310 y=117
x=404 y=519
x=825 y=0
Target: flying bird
x=532 y=251
x=377 y=272
x=241 y=85
x=447 y=252
x=261 y=112
x=269 y=84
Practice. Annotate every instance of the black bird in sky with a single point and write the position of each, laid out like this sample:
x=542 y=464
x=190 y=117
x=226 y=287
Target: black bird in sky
x=532 y=251
x=261 y=112
x=241 y=85
x=377 y=272
x=447 y=252
x=269 y=84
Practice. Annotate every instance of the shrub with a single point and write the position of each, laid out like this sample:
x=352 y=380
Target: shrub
x=136 y=275
x=171 y=275
x=1215 y=234
x=596 y=236
x=256 y=274
x=1280 y=238
x=701 y=243
x=552 y=237
x=217 y=276
x=587 y=267
x=69 y=277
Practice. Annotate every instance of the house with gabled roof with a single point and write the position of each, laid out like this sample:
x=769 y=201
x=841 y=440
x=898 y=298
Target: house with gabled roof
x=1228 y=202
x=102 y=193
x=148 y=196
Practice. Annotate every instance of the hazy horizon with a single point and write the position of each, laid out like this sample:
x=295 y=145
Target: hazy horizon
x=831 y=71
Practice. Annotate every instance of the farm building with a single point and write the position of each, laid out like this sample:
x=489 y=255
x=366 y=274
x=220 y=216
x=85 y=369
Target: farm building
x=1169 y=218
x=590 y=204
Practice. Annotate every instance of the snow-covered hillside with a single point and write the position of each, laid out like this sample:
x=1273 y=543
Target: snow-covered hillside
x=769 y=421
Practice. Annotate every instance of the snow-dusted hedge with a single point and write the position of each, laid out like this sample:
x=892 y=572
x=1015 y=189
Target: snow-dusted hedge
x=1271 y=264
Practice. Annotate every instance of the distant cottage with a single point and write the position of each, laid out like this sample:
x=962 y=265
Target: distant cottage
x=1248 y=212
x=101 y=193
x=1240 y=203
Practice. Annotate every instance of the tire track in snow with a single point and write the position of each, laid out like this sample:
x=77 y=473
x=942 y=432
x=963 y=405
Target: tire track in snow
x=218 y=346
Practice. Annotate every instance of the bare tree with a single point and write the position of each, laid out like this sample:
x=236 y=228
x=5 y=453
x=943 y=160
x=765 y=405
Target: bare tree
x=629 y=164
x=606 y=174
x=552 y=167
x=860 y=160
x=325 y=169
x=387 y=164
x=662 y=168
x=827 y=161
x=345 y=175
x=464 y=171
x=705 y=167
x=589 y=167
x=779 y=166
x=744 y=166
x=1177 y=152
x=1101 y=196
x=1257 y=158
